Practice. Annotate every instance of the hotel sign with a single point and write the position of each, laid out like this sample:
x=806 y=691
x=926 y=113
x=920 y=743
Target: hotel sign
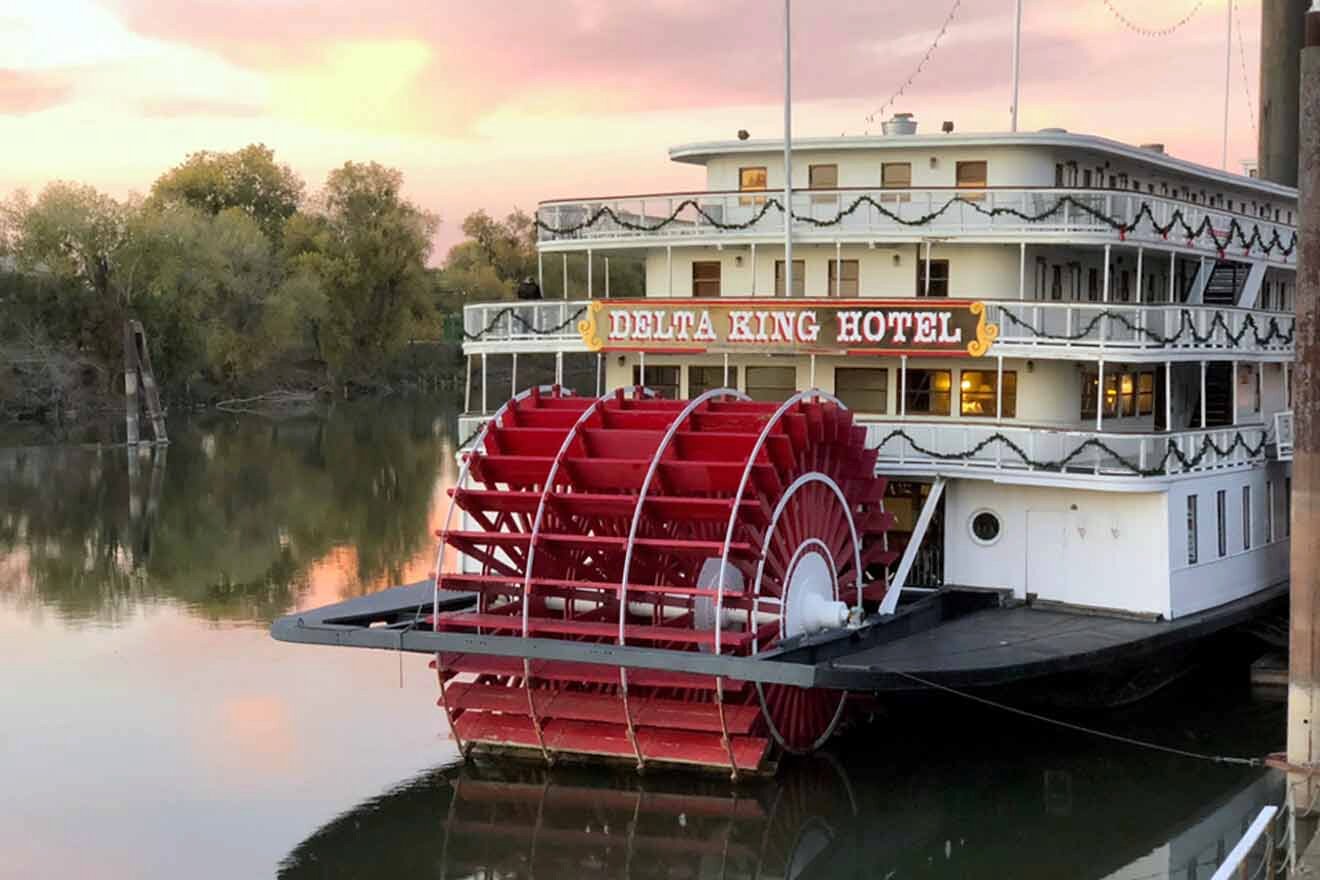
x=925 y=327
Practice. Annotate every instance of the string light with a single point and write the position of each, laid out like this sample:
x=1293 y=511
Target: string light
x=934 y=44
x=1153 y=32
x=1242 y=56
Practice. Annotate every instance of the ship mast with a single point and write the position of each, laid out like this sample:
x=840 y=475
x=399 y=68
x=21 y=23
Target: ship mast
x=788 y=151
x=1017 y=63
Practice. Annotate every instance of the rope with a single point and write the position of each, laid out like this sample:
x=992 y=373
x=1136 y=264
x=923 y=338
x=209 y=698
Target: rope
x=1068 y=725
x=935 y=43
x=1153 y=32
x=1145 y=214
x=1242 y=56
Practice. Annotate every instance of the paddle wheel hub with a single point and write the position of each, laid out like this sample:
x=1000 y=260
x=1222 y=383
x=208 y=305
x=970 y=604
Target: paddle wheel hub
x=717 y=525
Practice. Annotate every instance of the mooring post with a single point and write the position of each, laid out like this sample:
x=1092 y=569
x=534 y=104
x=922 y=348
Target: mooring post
x=1304 y=643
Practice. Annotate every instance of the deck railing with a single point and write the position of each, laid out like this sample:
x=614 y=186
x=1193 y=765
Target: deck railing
x=905 y=214
x=950 y=446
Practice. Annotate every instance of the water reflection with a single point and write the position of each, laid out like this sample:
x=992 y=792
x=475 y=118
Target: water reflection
x=957 y=795
x=240 y=518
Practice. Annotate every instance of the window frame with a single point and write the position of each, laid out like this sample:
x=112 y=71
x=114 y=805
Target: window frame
x=988 y=392
x=811 y=183
x=844 y=394
x=1246 y=517
x=974 y=190
x=836 y=289
x=719 y=371
x=1193 y=535
x=931 y=393
x=885 y=184
x=937 y=283
x=799 y=277
x=752 y=390
x=717 y=280
x=678 y=378
x=746 y=201
x=1221 y=520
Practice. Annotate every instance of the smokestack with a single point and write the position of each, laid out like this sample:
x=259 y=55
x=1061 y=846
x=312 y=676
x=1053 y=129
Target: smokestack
x=1281 y=25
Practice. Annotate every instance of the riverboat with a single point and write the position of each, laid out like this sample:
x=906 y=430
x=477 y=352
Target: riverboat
x=1012 y=418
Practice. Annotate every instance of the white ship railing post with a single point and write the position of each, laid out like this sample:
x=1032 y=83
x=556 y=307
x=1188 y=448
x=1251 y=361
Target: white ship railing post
x=1022 y=271
x=788 y=151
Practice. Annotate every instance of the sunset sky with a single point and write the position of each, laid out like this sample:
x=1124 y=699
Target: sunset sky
x=500 y=104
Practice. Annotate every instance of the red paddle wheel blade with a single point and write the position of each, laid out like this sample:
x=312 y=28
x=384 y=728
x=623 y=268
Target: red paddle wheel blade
x=605 y=521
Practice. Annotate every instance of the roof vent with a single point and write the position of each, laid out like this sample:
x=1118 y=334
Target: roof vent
x=1154 y=148
x=899 y=123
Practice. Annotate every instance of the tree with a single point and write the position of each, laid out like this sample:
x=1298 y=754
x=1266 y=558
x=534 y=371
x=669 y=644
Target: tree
x=248 y=179
x=367 y=246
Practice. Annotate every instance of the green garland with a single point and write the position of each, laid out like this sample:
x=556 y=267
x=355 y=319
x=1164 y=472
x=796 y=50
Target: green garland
x=1186 y=326
x=1172 y=451
x=1177 y=221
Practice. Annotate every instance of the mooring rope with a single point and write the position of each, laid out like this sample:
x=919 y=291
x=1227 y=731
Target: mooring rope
x=1079 y=728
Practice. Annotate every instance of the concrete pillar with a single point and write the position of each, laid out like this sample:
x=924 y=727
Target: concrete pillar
x=1304 y=647
x=1280 y=56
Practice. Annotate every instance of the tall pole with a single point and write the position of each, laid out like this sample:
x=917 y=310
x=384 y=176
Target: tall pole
x=788 y=150
x=1280 y=55
x=1228 y=67
x=1304 y=588
x=1017 y=63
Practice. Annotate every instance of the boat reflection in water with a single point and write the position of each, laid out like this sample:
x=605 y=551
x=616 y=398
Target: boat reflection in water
x=963 y=800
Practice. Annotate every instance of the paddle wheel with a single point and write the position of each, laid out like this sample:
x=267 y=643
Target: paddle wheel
x=719 y=525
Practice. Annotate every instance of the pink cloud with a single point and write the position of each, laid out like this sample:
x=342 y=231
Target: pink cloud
x=22 y=92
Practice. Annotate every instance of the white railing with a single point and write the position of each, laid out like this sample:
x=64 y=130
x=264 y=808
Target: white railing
x=960 y=446
x=468 y=426
x=1283 y=435
x=909 y=213
x=1131 y=327
x=1044 y=327
x=1237 y=864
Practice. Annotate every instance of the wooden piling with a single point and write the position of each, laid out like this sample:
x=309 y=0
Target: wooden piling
x=1304 y=641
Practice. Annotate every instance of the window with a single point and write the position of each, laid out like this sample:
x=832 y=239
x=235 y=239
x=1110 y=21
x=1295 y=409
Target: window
x=1086 y=178
x=1056 y=282
x=1246 y=517
x=848 y=284
x=1221 y=520
x=977 y=396
x=939 y=278
x=1191 y=530
x=1287 y=506
x=1042 y=274
x=970 y=175
x=660 y=379
x=706 y=278
x=823 y=177
x=703 y=379
x=1125 y=286
x=1126 y=394
x=1058 y=174
x=1269 y=511
x=751 y=180
x=928 y=392
x=896 y=175
x=1093 y=284
x=1145 y=394
x=771 y=384
x=985 y=527
x=863 y=389
x=799 y=278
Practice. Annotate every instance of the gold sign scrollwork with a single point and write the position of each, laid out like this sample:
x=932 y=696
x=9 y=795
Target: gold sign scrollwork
x=589 y=330
x=986 y=333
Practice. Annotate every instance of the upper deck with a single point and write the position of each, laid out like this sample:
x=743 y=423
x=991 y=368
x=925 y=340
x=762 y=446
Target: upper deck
x=1040 y=188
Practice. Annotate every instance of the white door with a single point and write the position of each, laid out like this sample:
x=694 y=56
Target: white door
x=1047 y=547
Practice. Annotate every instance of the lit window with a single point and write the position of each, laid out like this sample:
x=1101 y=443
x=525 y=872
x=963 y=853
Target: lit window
x=752 y=180
x=848 y=284
x=928 y=392
x=977 y=395
x=939 y=278
x=1145 y=394
x=799 y=278
x=706 y=278
x=660 y=379
x=771 y=384
x=861 y=389
x=703 y=379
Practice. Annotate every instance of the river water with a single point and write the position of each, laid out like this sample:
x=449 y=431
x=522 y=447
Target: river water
x=152 y=729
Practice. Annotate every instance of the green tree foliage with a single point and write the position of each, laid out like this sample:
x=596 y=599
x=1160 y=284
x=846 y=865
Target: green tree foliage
x=248 y=179
x=367 y=247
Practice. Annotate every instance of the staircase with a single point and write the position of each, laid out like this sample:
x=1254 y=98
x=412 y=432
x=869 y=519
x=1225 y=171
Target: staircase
x=1225 y=284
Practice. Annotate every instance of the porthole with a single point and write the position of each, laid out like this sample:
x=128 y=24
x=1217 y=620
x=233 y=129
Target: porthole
x=985 y=527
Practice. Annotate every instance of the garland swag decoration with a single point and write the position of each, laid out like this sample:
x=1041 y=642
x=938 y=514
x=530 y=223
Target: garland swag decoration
x=1172 y=451
x=1186 y=327
x=513 y=311
x=1235 y=232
